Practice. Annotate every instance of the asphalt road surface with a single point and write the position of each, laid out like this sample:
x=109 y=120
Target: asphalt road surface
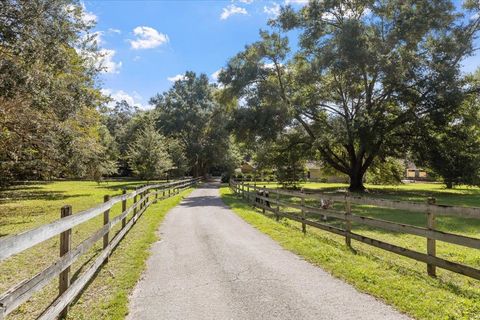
x=210 y=264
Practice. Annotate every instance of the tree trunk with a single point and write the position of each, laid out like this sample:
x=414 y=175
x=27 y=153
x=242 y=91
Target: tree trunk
x=356 y=180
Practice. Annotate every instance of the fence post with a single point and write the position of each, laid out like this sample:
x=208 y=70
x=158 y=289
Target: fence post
x=431 y=244
x=124 y=208
x=302 y=198
x=263 y=201
x=267 y=195
x=348 y=223
x=65 y=244
x=106 y=219
x=144 y=196
x=277 y=212
x=245 y=190
x=156 y=195
x=135 y=199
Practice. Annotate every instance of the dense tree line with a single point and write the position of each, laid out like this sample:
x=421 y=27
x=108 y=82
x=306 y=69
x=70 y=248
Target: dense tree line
x=367 y=81
x=54 y=122
x=185 y=134
x=49 y=124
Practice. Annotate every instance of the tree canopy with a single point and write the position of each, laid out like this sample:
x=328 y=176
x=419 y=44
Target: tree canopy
x=148 y=154
x=363 y=73
x=355 y=84
x=189 y=112
x=48 y=96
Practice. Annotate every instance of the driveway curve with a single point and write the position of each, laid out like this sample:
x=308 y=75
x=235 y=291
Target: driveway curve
x=210 y=264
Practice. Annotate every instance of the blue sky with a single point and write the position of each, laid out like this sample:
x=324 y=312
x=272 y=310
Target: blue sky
x=147 y=44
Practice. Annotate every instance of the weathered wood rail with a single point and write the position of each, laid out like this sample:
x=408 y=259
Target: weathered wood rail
x=266 y=196
x=14 y=244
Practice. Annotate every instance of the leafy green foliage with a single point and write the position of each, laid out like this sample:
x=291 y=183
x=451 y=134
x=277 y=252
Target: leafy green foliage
x=286 y=156
x=363 y=73
x=189 y=113
x=47 y=93
x=148 y=154
x=387 y=172
x=451 y=146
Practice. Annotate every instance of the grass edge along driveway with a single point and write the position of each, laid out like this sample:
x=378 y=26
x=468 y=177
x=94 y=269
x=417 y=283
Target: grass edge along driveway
x=409 y=290
x=107 y=296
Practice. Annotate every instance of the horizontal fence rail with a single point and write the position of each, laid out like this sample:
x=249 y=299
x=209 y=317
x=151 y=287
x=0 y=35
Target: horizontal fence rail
x=269 y=200
x=11 y=245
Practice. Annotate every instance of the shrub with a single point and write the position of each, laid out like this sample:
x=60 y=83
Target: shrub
x=389 y=171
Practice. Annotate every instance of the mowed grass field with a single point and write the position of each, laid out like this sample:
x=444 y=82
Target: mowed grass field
x=398 y=280
x=30 y=205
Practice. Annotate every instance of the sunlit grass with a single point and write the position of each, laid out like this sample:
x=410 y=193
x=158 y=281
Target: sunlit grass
x=418 y=192
x=28 y=206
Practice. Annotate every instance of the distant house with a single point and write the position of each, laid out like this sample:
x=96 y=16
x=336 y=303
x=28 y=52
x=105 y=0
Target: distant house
x=414 y=173
x=317 y=172
x=314 y=170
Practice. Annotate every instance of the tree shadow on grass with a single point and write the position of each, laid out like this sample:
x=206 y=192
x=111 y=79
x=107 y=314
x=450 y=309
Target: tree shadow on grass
x=94 y=256
x=22 y=195
x=458 y=197
x=129 y=185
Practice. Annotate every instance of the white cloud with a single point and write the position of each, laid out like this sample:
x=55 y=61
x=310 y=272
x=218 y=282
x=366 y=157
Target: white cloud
x=134 y=100
x=269 y=65
x=345 y=13
x=97 y=37
x=106 y=63
x=246 y=1
x=232 y=10
x=299 y=2
x=136 y=58
x=87 y=17
x=147 y=38
x=176 y=78
x=273 y=10
x=113 y=30
x=214 y=75
x=103 y=60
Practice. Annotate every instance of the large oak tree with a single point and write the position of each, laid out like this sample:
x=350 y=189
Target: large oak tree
x=189 y=113
x=362 y=73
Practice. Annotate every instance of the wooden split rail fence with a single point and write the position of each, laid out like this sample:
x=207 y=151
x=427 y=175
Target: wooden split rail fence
x=11 y=245
x=269 y=199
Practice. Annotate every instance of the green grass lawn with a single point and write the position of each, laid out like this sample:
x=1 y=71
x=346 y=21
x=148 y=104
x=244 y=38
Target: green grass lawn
x=27 y=206
x=399 y=281
x=418 y=192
